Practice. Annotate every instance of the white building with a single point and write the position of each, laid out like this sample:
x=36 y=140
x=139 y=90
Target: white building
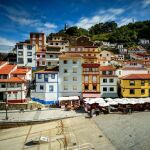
x=13 y=90
x=70 y=74
x=108 y=82
x=106 y=55
x=144 y=41
x=26 y=55
x=46 y=91
x=131 y=70
x=13 y=83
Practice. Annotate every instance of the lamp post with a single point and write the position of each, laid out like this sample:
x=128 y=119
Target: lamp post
x=6 y=108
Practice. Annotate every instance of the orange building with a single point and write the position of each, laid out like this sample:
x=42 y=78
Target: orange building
x=90 y=80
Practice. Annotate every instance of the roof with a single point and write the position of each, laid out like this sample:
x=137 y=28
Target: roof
x=136 y=76
x=105 y=68
x=86 y=65
x=22 y=71
x=12 y=80
x=7 y=69
x=2 y=62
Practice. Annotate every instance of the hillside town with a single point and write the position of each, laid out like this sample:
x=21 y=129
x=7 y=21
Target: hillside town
x=60 y=71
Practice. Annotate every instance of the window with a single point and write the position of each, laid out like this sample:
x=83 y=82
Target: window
x=74 y=87
x=41 y=87
x=94 y=87
x=86 y=87
x=86 y=79
x=111 y=80
x=104 y=80
x=149 y=82
x=51 y=56
x=65 y=79
x=65 y=61
x=39 y=76
x=29 y=60
x=12 y=85
x=53 y=76
x=94 y=78
x=20 y=61
x=38 y=55
x=29 y=47
x=104 y=89
x=3 y=85
x=20 y=46
x=65 y=70
x=46 y=77
x=132 y=91
x=43 y=56
x=65 y=87
x=104 y=72
x=110 y=72
x=49 y=63
x=51 y=88
x=43 y=62
x=107 y=54
x=142 y=82
x=74 y=62
x=132 y=83
x=29 y=53
x=19 y=85
x=74 y=70
x=74 y=78
x=142 y=91
x=20 y=53
x=111 y=89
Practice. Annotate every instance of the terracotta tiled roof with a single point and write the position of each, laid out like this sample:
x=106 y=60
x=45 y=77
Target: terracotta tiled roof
x=22 y=71
x=136 y=76
x=2 y=62
x=12 y=80
x=6 y=69
x=105 y=68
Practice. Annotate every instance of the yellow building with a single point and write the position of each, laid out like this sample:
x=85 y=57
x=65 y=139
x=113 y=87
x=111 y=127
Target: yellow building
x=90 y=80
x=135 y=85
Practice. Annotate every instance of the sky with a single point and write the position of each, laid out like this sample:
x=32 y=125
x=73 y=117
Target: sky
x=20 y=17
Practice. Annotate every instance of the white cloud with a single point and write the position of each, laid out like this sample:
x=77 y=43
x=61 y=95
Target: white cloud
x=22 y=17
x=7 y=42
x=102 y=16
x=50 y=25
x=146 y=3
x=125 y=21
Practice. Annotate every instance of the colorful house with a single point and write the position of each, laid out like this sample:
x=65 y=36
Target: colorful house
x=108 y=82
x=135 y=85
x=90 y=80
x=70 y=72
x=46 y=90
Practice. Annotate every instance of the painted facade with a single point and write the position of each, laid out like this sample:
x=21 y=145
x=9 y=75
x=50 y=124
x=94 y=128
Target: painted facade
x=70 y=72
x=90 y=80
x=108 y=82
x=47 y=86
x=26 y=55
x=135 y=85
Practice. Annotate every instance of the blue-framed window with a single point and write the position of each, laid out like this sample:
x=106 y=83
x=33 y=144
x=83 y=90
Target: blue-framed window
x=46 y=77
x=51 y=88
x=53 y=76
x=39 y=76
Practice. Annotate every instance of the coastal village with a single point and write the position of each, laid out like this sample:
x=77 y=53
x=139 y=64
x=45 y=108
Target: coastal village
x=61 y=71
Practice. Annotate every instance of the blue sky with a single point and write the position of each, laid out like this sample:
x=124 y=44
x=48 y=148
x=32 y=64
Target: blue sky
x=20 y=17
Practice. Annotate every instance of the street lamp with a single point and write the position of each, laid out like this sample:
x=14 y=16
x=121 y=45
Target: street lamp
x=6 y=108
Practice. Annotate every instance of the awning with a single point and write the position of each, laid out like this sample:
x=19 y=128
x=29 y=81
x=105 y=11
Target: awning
x=92 y=95
x=68 y=98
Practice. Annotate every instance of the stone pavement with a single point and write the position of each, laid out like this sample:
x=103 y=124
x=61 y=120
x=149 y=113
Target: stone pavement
x=77 y=133
x=37 y=115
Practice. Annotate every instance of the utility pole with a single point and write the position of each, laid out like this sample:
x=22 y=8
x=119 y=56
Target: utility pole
x=6 y=104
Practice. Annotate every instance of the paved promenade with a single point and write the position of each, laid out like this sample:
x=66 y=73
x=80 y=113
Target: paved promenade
x=36 y=115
